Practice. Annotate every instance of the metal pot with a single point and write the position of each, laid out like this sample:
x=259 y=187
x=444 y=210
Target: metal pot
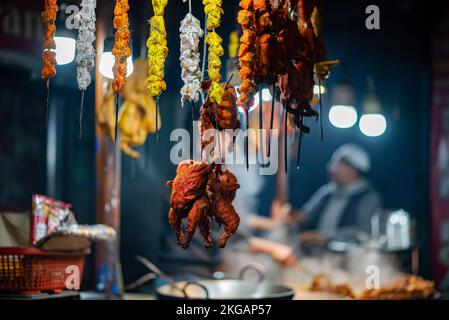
x=225 y=289
x=219 y=288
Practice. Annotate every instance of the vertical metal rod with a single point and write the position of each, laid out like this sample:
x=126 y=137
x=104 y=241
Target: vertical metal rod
x=246 y=139
x=260 y=134
x=273 y=99
x=157 y=118
x=299 y=144
x=203 y=64
x=81 y=115
x=193 y=112
x=229 y=81
x=260 y=108
x=321 y=110
x=117 y=96
x=285 y=141
x=193 y=127
x=215 y=106
x=47 y=99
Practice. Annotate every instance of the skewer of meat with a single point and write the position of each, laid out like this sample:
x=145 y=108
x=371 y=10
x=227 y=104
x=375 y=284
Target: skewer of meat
x=157 y=53
x=49 y=46
x=247 y=62
x=85 y=58
x=121 y=52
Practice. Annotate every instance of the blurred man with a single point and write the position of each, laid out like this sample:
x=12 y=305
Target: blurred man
x=343 y=207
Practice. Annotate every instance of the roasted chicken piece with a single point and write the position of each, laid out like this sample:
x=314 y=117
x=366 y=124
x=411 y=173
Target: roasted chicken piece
x=305 y=10
x=247 y=45
x=261 y=6
x=189 y=184
x=296 y=88
x=187 y=198
x=245 y=18
x=323 y=283
x=263 y=23
x=279 y=15
x=200 y=192
x=246 y=4
x=406 y=287
x=290 y=40
x=265 y=54
x=222 y=186
x=226 y=111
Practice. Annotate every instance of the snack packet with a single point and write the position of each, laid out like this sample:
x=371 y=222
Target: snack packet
x=47 y=216
x=41 y=207
x=59 y=215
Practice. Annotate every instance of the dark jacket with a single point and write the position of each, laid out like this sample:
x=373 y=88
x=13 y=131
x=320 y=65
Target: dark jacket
x=336 y=211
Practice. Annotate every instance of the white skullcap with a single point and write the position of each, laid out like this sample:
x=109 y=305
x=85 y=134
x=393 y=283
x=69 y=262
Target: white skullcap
x=353 y=155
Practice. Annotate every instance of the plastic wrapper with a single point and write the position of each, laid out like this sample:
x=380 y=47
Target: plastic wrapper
x=76 y=237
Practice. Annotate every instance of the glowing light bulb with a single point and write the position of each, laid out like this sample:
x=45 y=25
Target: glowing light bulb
x=372 y=124
x=343 y=116
x=107 y=63
x=65 y=50
x=319 y=89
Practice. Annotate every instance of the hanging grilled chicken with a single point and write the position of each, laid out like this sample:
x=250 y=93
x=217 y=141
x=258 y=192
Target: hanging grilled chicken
x=201 y=192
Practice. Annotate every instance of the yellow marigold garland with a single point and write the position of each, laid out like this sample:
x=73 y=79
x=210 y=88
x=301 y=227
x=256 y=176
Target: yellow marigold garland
x=157 y=49
x=213 y=10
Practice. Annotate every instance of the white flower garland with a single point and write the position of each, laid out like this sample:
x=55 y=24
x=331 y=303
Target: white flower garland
x=85 y=58
x=191 y=33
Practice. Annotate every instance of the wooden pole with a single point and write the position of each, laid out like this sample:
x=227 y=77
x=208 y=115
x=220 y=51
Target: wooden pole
x=108 y=169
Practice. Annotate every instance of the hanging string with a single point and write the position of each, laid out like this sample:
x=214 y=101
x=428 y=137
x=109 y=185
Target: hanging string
x=193 y=112
x=190 y=6
x=259 y=133
x=299 y=143
x=321 y=110
x=273 y=99
x=47 y=99
x=203 y=66
x=281 y=119
x=216 y=126
x=285 y=140
x=157 y=118
x=229 y=81
x=81 y=115
x=246 y=138
x=117 y=96
x=193 y=125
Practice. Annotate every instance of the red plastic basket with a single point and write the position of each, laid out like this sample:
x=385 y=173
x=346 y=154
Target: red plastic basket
x=30 y=270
